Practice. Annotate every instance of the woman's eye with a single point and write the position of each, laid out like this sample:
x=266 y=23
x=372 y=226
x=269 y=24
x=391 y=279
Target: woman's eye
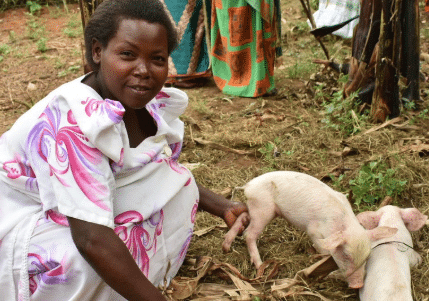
x=160 y=59
x=126 y=53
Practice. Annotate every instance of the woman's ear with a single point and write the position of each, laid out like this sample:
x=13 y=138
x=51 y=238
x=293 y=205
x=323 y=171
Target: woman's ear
x=96 y=51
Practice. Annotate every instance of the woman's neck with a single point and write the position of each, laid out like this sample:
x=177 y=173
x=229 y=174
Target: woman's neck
x=139 y=125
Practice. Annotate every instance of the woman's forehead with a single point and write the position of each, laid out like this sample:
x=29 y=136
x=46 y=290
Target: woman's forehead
x=132 y=31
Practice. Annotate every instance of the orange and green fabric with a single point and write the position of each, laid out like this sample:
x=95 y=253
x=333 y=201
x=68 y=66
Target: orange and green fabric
x=244 y=37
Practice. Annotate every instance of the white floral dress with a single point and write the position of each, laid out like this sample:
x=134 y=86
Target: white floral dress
x=70 y=156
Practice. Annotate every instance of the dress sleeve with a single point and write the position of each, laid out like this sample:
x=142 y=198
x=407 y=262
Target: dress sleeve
x=72 y=146
x=169 y=104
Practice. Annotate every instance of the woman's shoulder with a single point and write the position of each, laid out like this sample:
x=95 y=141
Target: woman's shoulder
x=99 y=120
x=170 y=102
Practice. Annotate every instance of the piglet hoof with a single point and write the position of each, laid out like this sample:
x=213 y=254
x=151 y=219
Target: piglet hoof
x=226 y=245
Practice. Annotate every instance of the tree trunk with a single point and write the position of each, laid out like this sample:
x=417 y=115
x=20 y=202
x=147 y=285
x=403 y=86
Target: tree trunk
x=385 y=45
x=87 y=8
x=410 y=67
x=365 y=39
x=385 y=101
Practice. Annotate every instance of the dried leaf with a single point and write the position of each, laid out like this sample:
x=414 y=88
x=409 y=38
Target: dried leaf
x=319 y=269
x=191 y=166
x=31 y=87
x=419 y=148
x=387 y=123
x=282 y=284
x=183 y=287
x=201 y=232
x=387 y=200
x=244 y=287
x=316 y=294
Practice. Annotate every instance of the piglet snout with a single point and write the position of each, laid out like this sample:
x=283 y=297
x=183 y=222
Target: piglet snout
x=355 y=280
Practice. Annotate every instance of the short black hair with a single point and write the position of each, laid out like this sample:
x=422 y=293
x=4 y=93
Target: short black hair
x=104 y=22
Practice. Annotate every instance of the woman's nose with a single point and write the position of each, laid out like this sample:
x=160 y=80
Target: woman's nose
x=141 y=69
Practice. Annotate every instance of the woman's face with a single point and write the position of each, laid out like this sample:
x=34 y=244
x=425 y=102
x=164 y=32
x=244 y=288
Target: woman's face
x=134 y=65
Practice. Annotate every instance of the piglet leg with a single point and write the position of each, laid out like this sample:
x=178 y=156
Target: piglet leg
x=260 y=216
x=233 y=232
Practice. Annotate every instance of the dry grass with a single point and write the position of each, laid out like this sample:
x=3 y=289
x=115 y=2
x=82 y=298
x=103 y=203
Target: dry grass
x=282 y=133
x=287 y=133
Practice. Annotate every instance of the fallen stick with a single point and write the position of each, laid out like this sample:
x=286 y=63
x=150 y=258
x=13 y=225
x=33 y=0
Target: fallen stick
x=223 y=147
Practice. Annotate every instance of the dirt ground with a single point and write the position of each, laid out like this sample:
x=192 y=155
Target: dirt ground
x=230 y=140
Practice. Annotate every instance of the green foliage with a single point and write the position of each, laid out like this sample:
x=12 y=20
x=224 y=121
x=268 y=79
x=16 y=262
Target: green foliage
x=201 y=107
x=71 y=32
x=301 y=69
x=11 y=4
x=41 y=44
x=74 y=27
x=6 y=4
x=12 y=36
x=340 y=113
x=314 y=4
x=269 y=153
x=59 y=64
x=374 y=182
x=409 y=104
x=33 y=7
x=424 y=114
x=301 y=28
x=4 y=49
x=71 y=69
x=35 y=30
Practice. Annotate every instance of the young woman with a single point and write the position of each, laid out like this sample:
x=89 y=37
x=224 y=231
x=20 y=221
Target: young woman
x=93 y=202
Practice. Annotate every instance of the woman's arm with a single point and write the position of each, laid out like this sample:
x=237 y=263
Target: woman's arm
x=220 y=206
x=110 y=258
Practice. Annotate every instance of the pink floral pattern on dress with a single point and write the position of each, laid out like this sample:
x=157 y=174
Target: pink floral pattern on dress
x=44 y=270
x=117 y=166
x=162 y=94
x=194 y=212
x=19 y=167
x=131 y=229
x=186 y=244
x=176 y=148
x=113 y=109
x=66 y=149
x=174 y=165
x=153 y=109
x=57 y=217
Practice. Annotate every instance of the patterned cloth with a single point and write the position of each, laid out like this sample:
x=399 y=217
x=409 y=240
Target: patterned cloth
x=70 y=156
x=190 y=60
x=333 y=12
x=243 y=38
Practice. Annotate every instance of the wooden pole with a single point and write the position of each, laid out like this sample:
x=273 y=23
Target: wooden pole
x=385 y=100
x=410 y=65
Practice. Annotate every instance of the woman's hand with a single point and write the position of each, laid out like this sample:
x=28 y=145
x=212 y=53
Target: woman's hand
x=233 y=212
x=226 y=209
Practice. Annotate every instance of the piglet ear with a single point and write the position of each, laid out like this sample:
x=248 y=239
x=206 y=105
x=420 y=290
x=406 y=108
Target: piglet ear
x=381 y=232
x=369 y=219
x=332 y=242
x=413 y=218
